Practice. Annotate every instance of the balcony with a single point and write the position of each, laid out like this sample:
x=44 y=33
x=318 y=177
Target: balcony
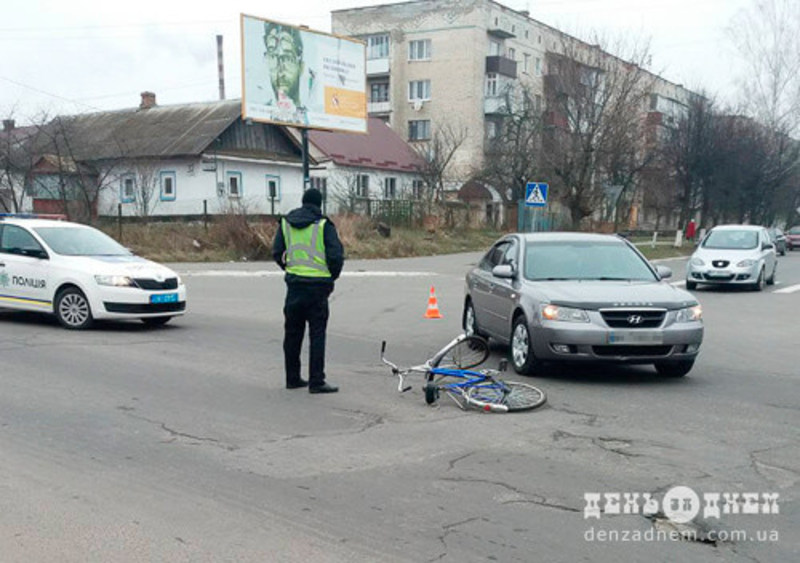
x=500 y=33
x=379 y=107
x=501 y=65
x=377 y=66
x=495 y=105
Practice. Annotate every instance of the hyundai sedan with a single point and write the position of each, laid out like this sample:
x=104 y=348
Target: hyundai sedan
x=576 y=297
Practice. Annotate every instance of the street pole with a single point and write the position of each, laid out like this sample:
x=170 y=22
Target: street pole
x=306 y=178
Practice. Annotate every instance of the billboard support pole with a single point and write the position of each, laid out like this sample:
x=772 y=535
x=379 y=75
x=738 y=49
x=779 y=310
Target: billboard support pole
x=306 y=178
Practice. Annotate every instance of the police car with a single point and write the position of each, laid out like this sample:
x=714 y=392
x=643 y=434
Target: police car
x=80 y=274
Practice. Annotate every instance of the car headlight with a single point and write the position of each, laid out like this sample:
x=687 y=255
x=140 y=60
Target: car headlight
x=689 y=314
x=746 y=263
x=567 y=314
x=696 y=262
x=116 y=281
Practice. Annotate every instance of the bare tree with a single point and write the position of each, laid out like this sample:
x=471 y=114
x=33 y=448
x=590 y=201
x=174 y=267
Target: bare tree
x=593 y=98
x=437 y=156
x=17 y=159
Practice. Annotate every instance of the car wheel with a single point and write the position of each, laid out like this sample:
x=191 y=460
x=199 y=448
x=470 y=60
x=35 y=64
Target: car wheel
x=690 y=285
x=521 y=351
x=759 y=285
x=72 y=309
x=156 y=321
x=674 y=369
x=470 y=320
x=771 y=279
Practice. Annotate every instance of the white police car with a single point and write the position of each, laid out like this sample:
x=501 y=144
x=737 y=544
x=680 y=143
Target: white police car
x=80 y=274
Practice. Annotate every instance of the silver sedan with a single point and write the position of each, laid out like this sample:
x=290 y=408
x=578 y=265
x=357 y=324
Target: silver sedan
x=571 y=297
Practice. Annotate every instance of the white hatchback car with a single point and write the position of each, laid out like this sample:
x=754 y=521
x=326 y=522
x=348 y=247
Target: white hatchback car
x=733 y=255
x=80 y=274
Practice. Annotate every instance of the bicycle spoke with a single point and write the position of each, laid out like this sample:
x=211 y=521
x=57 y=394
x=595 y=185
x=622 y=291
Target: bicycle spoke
x=515 y=396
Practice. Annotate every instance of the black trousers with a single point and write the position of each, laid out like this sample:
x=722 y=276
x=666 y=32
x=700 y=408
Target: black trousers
x=305 y=303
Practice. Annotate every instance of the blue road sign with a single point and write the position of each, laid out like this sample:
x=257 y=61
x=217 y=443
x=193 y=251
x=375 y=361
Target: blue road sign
x=536 y=194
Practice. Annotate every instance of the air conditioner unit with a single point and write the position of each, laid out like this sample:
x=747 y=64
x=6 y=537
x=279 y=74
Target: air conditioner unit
x=417 y=105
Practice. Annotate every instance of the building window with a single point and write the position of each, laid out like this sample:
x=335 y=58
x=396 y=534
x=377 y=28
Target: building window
x=379 y=92
x=494 y=48
x=526 y=62
x=538 y=66
x=362 y=185
x=389 y=188
x=419 y=90
x=419 y=130
x=378 y=47
x=320 y=184
x=537 y=103
x=419 y=50
x=512 y=53
x=167 y=186
x=491 y=85
x=491 y=129
x=273 y=187
x=417 y=189
x=234 y=181
x=127 y=191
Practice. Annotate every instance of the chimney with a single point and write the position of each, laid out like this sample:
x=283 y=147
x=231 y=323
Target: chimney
x=148 y=100
x=8 y=125
x=220 y=68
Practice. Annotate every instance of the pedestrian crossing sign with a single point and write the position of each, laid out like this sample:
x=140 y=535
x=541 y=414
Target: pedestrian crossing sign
x=536 y=194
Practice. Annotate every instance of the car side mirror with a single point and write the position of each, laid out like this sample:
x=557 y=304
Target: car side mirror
x=505 y=271
x=663 y=272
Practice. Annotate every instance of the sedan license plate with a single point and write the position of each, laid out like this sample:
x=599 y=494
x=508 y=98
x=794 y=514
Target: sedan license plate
x=164 y=298
x=635 y=337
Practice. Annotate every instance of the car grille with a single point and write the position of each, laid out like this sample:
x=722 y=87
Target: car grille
x=144 y=308
x=634 y=318
x=155 y=285
x=629 y=351
x=720 y=263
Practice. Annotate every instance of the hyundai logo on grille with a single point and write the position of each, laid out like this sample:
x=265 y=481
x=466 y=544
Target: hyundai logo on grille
x=635 y=320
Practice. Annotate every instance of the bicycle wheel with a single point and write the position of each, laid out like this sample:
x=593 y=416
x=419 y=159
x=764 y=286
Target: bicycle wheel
x=462 y=353
x=510 y=394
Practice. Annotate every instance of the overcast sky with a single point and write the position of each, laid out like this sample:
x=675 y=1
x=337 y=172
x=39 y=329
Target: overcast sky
x=85 y=55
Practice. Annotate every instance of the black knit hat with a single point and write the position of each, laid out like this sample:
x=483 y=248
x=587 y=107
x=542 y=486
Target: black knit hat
x=312 y=196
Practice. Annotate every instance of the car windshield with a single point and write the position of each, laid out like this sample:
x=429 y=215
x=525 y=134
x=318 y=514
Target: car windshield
x=81 y=241
x=794 y=231
x=584 y=260
x=731 y=240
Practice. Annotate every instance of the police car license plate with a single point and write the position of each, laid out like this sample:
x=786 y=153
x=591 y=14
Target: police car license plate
x=164 y=298
x=635 y=337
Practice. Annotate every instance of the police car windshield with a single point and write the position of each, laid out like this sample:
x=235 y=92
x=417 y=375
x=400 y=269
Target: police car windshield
x=81 y=241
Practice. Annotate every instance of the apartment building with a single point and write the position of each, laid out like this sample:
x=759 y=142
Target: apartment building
x=437 y=63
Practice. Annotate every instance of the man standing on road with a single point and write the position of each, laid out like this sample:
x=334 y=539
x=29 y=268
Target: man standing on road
x=308 y=248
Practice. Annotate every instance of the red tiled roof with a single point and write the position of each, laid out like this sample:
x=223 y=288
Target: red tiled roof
x=380 y=148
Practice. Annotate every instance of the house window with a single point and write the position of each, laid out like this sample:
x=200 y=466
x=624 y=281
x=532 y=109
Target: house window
x=417 y=189
x=494 y=48
x=526 y=62
x=378 y=46
x=273 y=187
x=419 y=130
x=127 y=192
x=419 y=90
x=538 y=66
x=362 y=185
x=234 y=181
x=389 y=188
x=491 y=85
x=320 y=184
x=419 y=50
x=379 y=92
x=167 y=186
x=512 y=53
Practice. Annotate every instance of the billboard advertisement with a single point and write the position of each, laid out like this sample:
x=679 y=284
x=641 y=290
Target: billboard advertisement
x=294 y=76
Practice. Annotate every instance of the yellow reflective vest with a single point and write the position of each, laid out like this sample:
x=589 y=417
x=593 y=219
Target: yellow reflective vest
x=305 y=250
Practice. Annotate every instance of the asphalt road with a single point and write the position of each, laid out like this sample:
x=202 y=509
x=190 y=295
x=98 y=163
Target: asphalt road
x=127 y=443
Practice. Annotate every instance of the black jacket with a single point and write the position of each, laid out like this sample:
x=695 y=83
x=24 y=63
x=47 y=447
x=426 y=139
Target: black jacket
x=334 y=252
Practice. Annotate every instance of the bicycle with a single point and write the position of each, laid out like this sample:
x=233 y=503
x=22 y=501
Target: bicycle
x=448 y=371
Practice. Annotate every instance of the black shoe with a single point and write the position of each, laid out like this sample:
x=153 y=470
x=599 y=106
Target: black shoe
x=324 y=388
x=297 y=384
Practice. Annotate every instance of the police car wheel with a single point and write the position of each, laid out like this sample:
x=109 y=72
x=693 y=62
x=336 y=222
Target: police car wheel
x=72 y=309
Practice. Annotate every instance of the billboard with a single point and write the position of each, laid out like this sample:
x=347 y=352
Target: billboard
x=294 y=76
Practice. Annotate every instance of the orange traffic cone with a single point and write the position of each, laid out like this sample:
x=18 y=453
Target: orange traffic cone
x=433 y=307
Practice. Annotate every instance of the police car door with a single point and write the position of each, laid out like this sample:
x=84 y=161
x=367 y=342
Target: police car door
x=24 y=282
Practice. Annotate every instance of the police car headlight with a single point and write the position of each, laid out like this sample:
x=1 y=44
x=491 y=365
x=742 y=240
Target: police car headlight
x=115 y=281
x=689 y=314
